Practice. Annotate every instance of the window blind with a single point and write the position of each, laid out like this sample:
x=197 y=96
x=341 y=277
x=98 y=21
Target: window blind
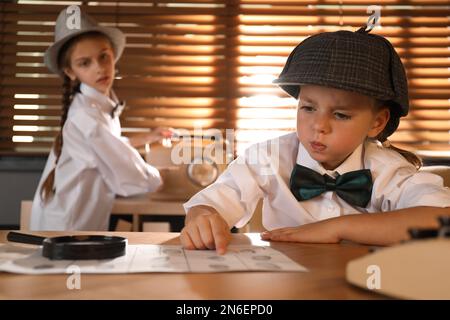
x=210 y=64
x=172 y=73
x=419 y=30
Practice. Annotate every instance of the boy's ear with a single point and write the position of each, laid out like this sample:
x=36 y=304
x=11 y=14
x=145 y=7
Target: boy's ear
x=70 y=74
x=381 y=119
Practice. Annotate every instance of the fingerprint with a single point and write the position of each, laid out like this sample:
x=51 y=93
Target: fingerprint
x=172 y=251
x=219 y=266
x=268 y=265
x=217 y=258
x=261 y=258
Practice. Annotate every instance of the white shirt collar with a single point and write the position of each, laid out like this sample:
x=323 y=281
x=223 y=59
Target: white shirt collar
x=100 y=100
x=352 y=163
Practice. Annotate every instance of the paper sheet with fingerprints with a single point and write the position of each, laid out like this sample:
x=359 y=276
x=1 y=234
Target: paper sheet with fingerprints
x=153 y=258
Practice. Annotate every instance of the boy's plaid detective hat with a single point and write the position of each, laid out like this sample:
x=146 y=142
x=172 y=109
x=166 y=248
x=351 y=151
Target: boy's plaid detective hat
x=355 y=61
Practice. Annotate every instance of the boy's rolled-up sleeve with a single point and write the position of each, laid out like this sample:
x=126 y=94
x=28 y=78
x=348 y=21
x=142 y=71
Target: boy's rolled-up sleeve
x=234 y=195
x=405 y=187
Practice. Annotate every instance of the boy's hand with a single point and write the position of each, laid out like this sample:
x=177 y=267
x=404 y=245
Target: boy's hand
x=205 y=229
x=326 y=231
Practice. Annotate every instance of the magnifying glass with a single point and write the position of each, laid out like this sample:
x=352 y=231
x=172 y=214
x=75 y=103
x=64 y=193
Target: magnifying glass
x=81 y=247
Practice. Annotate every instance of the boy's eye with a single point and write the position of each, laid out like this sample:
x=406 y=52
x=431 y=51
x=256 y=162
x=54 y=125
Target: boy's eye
x=342 y=116
x=84 y=63
x=307 y=108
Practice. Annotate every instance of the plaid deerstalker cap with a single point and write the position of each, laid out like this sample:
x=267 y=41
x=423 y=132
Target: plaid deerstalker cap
x=355 y=61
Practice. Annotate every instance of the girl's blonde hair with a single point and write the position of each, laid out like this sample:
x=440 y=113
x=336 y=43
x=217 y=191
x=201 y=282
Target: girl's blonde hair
x=393 y=122
x=70 y=88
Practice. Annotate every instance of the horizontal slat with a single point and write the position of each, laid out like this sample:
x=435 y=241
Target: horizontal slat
x=10 y=112
x=216 y=61
x=136 y=102
x=201 y=113
x=206 y=92
x=136 y=83
x=44 y=147
x=232 y=10
x=177 y=123
x=160 y=81
x=170 y=50
x=420 y=106
x=399 y=136
x=137 y=40
x=434 y=119
x=9 y=145
x=240 y=30
x=420 y=135
x=399 y=43
x=339 y=2
x=198 y=71
x=139 y=59
x=133 y=70
x=351 y=21
x=155 y=19
x=40 y=134
x=433 y=125
x=202 y=50
x=12 y=28
x=436 y=146
x=424 y=3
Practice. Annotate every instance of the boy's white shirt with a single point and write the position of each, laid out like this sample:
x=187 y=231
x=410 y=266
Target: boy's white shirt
x=235 y=194
x=95 y=165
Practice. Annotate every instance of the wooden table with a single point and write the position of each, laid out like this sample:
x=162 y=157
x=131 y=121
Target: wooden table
x=325 y=280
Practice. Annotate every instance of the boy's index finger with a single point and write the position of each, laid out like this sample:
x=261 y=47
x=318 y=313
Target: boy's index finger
x=220 y=240
x=221 y=245
x=220 y=236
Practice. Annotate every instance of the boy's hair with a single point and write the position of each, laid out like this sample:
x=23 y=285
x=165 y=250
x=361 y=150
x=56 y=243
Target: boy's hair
x=70 y=88
x=383 y=135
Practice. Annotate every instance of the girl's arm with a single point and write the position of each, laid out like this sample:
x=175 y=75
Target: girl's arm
x=383 y=228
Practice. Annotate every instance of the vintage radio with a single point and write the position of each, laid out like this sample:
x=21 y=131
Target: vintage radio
x=189 y=163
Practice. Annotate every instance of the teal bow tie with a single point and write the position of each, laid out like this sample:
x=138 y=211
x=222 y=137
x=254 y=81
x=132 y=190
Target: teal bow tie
x=353 y=187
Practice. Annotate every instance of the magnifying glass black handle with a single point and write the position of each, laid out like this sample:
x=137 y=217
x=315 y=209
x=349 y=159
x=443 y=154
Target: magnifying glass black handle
x=24 y=238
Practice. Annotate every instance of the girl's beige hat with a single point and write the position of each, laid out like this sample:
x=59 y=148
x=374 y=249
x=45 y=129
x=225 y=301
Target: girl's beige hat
x=64 y=31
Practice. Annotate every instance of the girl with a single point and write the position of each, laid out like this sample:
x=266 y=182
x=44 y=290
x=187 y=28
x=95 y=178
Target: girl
x=338 y=177
x=90 y=162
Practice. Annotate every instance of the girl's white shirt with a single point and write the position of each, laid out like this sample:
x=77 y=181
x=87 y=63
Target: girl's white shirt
x=95 y=165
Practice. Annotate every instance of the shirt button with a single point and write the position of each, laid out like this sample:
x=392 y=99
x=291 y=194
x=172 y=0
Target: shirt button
x=330 y=208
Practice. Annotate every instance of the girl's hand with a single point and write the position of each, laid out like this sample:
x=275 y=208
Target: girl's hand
x=326 y=231
x=205 y=229
x=158 y=134
x=155 y=135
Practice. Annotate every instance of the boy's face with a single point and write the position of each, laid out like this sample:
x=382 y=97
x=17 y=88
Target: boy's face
x=92 y=62
x=332 y=123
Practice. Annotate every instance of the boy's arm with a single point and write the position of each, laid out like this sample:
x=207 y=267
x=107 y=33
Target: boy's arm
x=383 y=228
x=386 y=228
x=228 y=202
